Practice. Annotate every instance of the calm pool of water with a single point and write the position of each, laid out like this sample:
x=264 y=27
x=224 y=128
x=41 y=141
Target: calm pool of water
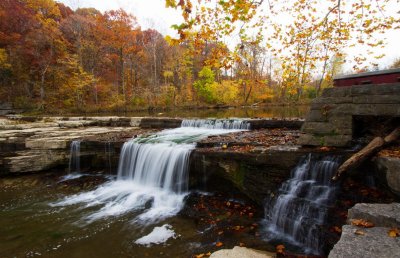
x=299 y=111
x=31 y=227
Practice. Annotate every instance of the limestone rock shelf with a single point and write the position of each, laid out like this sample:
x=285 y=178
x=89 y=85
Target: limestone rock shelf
x=372 y=242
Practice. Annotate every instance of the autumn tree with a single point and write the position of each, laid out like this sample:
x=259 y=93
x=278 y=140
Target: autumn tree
x=304 y=34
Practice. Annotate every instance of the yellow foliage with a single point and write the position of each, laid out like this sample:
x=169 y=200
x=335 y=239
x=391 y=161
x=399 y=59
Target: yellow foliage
x=227 y=92
x=3 y=59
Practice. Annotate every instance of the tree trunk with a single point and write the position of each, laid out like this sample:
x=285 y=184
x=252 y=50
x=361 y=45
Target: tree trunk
x=374 y=146
x=42 y=90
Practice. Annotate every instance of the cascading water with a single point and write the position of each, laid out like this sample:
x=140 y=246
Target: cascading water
x=301 y=208
x=217 y=123
x=75 y=157
x=152 y=177
x=155 y=165
x=74 y=168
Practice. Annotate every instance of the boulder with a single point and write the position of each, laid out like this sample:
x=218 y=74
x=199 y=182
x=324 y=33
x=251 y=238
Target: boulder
x=369 y=242
x=389 y=169
x=241 y=252
x=382 y=215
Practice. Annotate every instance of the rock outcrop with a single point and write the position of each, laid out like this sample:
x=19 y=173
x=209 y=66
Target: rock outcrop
x=370 y=242
x=388 y=168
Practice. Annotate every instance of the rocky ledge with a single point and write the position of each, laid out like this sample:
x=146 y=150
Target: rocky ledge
x=32 y=146
x=380 y=239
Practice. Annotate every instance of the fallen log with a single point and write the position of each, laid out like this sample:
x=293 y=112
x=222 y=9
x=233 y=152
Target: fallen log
x=374 y=146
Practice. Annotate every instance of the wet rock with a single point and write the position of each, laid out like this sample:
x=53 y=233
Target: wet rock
x=372 y=242
x=275 y=123
x=258 y=175
x=242 y=252
x=382 y=215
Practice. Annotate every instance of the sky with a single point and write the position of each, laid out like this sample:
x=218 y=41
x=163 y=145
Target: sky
x=150 y=13
x=154 y=14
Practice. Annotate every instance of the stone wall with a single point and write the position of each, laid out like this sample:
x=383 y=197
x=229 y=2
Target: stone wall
x=330 y=120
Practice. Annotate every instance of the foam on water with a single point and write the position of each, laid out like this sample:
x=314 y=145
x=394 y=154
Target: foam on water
x=159 y=235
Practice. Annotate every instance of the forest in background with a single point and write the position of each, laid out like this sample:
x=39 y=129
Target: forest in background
x=55 y=59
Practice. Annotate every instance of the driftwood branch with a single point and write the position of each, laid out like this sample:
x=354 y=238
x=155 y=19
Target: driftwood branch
x=374 y=146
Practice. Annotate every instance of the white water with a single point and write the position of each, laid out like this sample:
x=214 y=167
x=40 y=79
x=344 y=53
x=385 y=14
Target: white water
x=75 y=157
x=74 y=165
x=152 y=178
x=301 y=208
x=217 y=123
x=157 y=236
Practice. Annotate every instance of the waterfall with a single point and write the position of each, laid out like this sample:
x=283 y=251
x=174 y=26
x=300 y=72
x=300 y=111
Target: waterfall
x=301 y=208
x=160 y=165
x=152 y=177
x=75 y=157
x=217 y=123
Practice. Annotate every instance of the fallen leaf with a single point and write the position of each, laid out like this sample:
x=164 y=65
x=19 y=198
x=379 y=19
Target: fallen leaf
x=220 y=232
x=199 y=255
x=219 y=244
x=337 y=229
x=359 y=232
x=236 y=228
x=394 y=232
x=362 y=223
x=241 y=244
x=280 y=249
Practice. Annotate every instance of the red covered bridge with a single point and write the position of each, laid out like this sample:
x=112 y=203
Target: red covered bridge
x=376 y=77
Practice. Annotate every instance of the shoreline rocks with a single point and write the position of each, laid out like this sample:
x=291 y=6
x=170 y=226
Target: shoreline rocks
x=370 y=242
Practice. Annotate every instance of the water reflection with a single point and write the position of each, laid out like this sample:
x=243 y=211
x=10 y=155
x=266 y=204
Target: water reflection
x=241 y=112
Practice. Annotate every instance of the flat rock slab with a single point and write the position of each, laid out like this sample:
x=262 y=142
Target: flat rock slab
x=375 y=242
x=382 y=215
x=241 y=252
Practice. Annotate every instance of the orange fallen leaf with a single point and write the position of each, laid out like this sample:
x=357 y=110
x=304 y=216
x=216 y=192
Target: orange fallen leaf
x=359 y=232
x=199 y=255
x=394 y=232
x=280 y=249
x=362 y=223
x=219 y=244
x=241 y=244
x=337 y=229
x=208 y=254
